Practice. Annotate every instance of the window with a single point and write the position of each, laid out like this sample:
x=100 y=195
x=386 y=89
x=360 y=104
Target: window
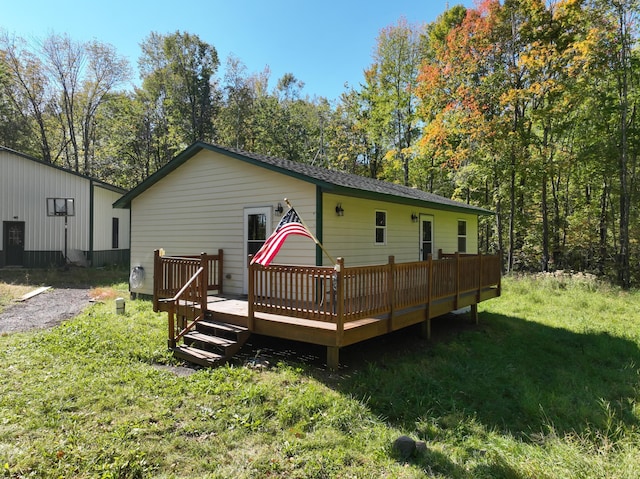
x=462 y=236
x=381 y=227
x=256 y=232
x=115 y=232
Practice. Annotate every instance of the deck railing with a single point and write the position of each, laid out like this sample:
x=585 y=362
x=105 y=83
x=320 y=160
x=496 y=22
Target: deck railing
x=170 y=273
x=180 y=287
x=340 y=294
x=185 y=309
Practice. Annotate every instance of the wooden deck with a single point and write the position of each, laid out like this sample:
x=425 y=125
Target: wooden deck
x=334 y=306
x=236 y=311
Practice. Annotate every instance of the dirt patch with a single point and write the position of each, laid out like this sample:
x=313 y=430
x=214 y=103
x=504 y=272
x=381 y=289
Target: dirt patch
x=45 y=310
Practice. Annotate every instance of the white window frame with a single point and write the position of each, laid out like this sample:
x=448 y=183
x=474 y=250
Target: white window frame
x=382 y=228
x=462 y=236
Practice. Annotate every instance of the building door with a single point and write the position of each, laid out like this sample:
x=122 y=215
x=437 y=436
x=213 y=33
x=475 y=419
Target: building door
x=13 y=240
x=257 y=227
x=426 y=236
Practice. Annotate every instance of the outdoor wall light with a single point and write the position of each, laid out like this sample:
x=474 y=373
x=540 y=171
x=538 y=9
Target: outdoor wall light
x=279 y=209
x=414 y=217
x=339 y=210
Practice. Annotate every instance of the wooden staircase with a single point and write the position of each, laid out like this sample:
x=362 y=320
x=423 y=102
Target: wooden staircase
x=180 y=287
x=211 y=343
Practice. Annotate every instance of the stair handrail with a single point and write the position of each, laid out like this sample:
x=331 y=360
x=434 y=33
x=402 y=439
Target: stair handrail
x=173 y=305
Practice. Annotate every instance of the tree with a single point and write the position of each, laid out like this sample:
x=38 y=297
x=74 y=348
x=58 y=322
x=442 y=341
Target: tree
x=14 y=126
x=104 y=72
x=178 y=90
x=616 y=47
x=28 y=88
x=233 y=123
x=395 y=70
x=64 y=60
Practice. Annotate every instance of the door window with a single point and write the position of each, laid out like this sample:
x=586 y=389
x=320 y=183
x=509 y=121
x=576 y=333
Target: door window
x=257 y=228
x=256 y=232
x=426 y=237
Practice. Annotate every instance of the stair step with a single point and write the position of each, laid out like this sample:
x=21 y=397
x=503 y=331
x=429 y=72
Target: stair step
x=231 y=328
x=209 y=336
x=205 y=338
x=198 y=356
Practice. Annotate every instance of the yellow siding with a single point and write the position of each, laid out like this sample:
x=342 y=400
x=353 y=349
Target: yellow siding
x=352 y=236
x=199 y=207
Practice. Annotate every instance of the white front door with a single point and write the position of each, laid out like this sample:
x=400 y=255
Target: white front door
x=426 y=236
x=257 y=227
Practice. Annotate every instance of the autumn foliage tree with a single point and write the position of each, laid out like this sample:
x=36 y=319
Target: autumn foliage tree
x=525 y=107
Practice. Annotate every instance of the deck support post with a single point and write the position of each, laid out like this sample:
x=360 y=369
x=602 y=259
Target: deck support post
x=220 y=270
x=252 y=296
x=157 y=274
x=391 y=291
x=339 y=272
x=474 y=313
x=204 y=283
x=426 y=324
x=425 y=329
x=333 y=357
x=171 y=343
x=457 y=258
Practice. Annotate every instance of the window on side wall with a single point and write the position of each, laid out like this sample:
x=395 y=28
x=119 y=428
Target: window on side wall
x=462 y=236
x=115 y=233
x=381 y=227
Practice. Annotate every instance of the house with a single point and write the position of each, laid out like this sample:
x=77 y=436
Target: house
x=392 y=256
x=49 y=214
x=210 y=198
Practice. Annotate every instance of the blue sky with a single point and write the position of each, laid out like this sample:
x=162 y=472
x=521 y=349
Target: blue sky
x=323 y=43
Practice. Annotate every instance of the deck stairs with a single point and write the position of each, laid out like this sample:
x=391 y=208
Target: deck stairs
x=211 y=343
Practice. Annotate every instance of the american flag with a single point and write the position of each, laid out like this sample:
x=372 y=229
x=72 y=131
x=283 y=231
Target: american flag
x=290 y=224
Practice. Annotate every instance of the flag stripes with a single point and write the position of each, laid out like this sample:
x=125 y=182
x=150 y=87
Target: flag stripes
x=290 y=224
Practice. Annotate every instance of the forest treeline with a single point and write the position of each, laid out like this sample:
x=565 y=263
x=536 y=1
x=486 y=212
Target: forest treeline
x=525 y=107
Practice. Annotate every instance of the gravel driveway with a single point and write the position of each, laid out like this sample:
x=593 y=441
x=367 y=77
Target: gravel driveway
x=45 y=310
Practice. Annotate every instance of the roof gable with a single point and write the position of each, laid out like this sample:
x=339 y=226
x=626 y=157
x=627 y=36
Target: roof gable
x=328 y=180
x=96 y=182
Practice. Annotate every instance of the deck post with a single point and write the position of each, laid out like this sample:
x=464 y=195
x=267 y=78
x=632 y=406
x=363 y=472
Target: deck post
x=425 y=329
x=426 y=324
x=171 y=343
x=391 y=291
x=157 y=273
x=220 y=272
x=480 y=276
x=339 y=272
x=204 y=283
x=474 y=313
x=252 y=295
x=333 y=357
x=457 y=254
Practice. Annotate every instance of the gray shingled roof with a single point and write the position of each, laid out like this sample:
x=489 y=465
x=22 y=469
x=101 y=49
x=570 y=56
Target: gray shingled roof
x=328 y=180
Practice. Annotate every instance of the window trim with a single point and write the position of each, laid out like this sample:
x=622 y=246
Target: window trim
x=382 y=228
x=462 y=236
x=115 y=232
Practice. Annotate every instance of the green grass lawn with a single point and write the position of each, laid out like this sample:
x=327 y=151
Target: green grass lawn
x=547 y=386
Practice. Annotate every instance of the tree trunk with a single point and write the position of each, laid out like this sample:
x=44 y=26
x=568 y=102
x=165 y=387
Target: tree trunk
x=545 y=225
x=602 y=229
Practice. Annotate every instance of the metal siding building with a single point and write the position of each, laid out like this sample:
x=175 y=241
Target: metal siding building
x=34 y=236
